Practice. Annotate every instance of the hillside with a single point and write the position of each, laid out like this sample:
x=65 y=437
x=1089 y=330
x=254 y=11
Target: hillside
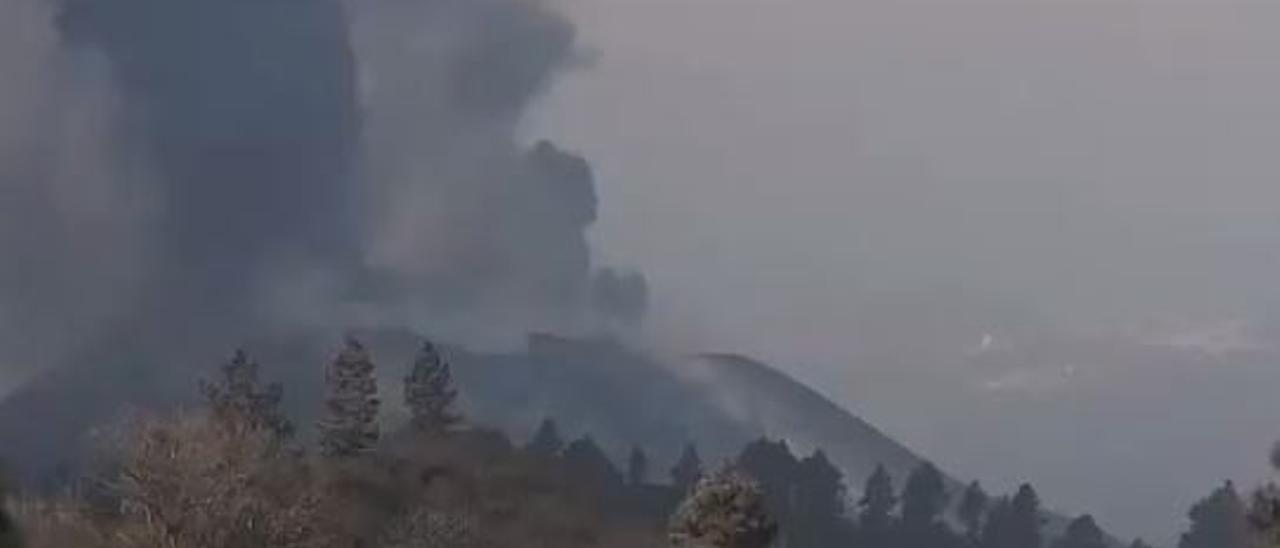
x=770 y=403
x=596 y=387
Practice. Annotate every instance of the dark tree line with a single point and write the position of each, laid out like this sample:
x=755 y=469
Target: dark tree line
x=765 y=496
x=806 y=498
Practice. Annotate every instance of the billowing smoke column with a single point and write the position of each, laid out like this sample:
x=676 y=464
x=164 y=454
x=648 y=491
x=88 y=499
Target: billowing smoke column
x=247 y=112
x=259 y=160
x=465 y=217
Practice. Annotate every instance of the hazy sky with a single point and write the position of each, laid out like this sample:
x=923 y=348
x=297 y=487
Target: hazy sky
x=860 y=190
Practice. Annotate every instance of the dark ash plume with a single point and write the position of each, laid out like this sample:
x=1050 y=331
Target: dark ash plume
x=247 y=111
x=236 y=165
x=620 y=296
x=464 y=218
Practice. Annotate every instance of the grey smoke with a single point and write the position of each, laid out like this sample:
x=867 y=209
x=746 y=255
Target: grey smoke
x=246 y=112
x=71 y=202
x=185 y=166
x=624 y=295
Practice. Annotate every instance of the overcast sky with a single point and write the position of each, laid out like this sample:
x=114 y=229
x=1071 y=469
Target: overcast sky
x=862 y=190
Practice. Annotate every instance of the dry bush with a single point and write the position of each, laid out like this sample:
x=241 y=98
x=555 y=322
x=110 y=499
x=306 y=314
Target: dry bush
x=190 y=482
x=194 y=482
x=424 y=528
x=725 y=510
x=58 y=524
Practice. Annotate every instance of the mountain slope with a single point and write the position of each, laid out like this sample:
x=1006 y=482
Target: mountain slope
x=775 y=405
x=591 y=387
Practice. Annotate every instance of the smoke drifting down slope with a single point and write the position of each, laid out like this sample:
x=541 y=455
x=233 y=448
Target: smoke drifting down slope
x=221 y=167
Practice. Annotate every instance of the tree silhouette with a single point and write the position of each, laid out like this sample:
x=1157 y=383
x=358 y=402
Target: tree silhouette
x=1082 y=532
x=998 y=524
x=972 y=511
x=429 y=392
x=875 y=511
x=350 y=426
x=1014 y=523
x=589 y=464
x=774 y=468
x=688 y=470
x=818 y=511
x=546 y=442
x=238 y=399
x=820 y=486
x=1218 y=521
x=637 y=467
x=924 y=498
x=1026 y=518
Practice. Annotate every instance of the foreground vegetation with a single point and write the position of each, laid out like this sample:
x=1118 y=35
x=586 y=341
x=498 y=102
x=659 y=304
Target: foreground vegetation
x=236 y=473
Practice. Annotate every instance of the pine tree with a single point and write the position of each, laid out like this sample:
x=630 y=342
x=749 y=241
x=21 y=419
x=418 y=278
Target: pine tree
x=772 y=465
x=637 y=467
x=818 y=511
x=924 y=498
x=1218 y=521
x=1014 y=523
x=429 y=392
x=725 y=510
x=590 y=464
x=238 y=399
x=972 y=511
x=820 y=486
x=1025 y=519
x=875 y=510
x=998 y=524
x=351 y=425
x=1082 y=532
x=546 y=442
x=688 y=470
